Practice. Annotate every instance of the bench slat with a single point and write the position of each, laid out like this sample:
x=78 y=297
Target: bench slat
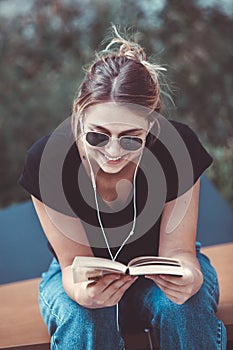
x=21 y=322
x=221 y=257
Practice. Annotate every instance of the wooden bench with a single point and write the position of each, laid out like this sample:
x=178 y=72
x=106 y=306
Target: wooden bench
x=22 y=327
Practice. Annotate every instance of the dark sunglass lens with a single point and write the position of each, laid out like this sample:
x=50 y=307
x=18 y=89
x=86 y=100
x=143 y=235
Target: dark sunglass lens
x=97 y=139
x=131 y=143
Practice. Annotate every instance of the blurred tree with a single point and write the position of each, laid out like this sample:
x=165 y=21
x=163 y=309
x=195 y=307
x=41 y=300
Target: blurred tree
x=199 y=52
x=43 y=52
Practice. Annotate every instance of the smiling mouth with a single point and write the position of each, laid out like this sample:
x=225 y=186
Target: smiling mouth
x=112 y=159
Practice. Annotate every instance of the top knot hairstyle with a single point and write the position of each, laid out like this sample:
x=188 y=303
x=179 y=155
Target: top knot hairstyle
x=120 y=73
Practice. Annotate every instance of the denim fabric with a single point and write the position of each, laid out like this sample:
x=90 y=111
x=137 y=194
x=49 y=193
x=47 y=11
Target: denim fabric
x=191 y=326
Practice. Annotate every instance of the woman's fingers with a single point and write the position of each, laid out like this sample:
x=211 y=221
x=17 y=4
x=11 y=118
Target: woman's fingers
x=118 y=293
x=103 y=282
x=167 y=284
x=114 y=291
x=109 y=289
x=178 y=293
x=184 y=280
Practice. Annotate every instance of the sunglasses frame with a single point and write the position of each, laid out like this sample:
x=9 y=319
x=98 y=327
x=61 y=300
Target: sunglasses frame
x=111 y=138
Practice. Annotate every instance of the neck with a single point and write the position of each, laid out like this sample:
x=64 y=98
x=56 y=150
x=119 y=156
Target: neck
x=111 y=187
x=115 y=187
x=126 y=173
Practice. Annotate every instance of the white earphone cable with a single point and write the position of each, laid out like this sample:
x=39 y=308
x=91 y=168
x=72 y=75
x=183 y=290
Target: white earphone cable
x=98 y=210
x=99 y=217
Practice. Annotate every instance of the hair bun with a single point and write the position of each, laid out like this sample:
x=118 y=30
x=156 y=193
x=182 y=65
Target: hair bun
x=133 y=50
x=125 y=47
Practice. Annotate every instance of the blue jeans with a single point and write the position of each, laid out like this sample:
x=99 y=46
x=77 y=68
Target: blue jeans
x=191 y=326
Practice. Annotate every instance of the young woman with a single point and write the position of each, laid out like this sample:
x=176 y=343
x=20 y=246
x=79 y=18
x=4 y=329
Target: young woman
x=119 y=181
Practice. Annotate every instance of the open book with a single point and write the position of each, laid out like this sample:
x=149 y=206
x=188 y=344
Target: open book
x=86 y=268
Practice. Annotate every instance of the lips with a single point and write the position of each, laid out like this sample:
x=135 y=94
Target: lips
x=112 y=158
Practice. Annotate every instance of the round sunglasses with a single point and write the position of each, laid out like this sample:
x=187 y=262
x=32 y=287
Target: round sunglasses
x=128 y=143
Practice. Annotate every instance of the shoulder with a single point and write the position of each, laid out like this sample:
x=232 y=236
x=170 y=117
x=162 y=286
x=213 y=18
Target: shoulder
x=37 y=148
x=197 y=150
x=54 y=148
x=175 y=129
x=181 y=155
x=48 y=161
x=177 y=139
x=184 y=130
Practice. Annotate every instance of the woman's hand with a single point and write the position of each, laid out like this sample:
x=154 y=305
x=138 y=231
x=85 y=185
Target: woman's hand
x=180 y=289
x=178 y=240
x=107 y=291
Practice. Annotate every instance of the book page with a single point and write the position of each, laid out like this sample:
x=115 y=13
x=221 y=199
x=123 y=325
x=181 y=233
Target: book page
x=83 y=274
x=92 y=268
x=156 y=269
x=154 y=260
x=91 y=261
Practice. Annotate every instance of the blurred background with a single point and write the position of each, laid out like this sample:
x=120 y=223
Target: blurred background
x=45 y=44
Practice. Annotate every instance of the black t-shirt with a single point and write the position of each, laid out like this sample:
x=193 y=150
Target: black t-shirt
x=54 y=174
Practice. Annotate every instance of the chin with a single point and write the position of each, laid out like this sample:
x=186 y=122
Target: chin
x=111 y=169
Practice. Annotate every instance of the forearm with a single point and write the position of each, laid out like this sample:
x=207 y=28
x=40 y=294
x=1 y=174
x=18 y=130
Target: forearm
x=67 y=281
x=76 y=291
x=190 y=262
x=185 y=256
x=180 y=289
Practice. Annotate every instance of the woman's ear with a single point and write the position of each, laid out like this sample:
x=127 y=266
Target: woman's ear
x=81 y=123
x=151 y=124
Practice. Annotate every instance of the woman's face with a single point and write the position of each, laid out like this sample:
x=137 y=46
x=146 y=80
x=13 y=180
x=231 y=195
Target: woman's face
x=115 y=120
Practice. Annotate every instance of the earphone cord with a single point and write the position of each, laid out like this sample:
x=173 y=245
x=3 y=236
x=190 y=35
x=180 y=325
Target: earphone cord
x=98 y=211
x=101 y=224
x=99 y=217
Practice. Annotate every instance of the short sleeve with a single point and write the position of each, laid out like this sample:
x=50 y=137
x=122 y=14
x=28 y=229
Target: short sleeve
x=29 y=178
x=199 y=156
x=182 y=157
x=51 y=171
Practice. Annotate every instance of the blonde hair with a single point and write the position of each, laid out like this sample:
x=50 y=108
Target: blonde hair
x=120 y=73
x=133 y=50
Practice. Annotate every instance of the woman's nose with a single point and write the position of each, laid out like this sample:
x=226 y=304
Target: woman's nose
x=113 y=148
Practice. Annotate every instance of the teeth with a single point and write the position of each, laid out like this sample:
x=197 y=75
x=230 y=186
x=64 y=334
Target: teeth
x=116 y=158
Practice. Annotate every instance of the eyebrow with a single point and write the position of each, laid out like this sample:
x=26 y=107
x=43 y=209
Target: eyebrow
x=103 y=129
